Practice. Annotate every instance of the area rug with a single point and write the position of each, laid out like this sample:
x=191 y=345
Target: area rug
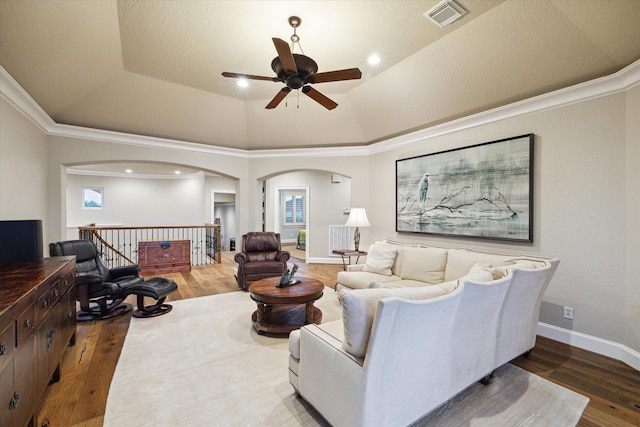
x=203 y=364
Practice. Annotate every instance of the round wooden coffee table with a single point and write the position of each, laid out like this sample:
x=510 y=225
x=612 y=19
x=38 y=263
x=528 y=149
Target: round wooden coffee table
x=281 y=310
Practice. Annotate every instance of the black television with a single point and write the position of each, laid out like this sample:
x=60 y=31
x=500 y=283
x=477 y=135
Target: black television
x=20 y=241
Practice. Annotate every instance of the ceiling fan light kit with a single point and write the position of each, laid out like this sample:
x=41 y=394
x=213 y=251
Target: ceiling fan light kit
x=298 y=71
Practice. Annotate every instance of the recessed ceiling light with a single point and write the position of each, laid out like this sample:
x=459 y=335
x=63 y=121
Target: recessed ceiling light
x=243 y=82
x=128 y=171
x=177 y=172
x=374 y=59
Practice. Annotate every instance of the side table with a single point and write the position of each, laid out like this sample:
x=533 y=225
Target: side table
x=347 y=254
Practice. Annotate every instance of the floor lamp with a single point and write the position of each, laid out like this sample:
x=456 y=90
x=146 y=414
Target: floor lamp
x=357 y=218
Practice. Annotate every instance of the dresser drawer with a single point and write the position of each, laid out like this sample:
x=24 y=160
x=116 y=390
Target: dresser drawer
x=26 y=324
x=48 y=297
x=67 y=280
x=7 y=345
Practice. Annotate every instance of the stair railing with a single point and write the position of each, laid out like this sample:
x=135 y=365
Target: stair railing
x=119 y=245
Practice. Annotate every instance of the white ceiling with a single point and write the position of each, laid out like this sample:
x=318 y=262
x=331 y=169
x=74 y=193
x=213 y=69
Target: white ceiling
x=154 y=67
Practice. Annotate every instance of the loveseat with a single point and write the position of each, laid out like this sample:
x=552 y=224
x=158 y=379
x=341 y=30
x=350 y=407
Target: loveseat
x=411 y=341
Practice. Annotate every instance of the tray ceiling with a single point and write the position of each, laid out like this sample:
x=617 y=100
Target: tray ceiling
x=154 y=67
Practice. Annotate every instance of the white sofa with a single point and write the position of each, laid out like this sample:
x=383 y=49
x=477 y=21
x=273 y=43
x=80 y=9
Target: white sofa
x=401 y=351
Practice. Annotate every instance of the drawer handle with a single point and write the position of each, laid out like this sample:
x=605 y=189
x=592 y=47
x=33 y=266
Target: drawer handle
x=27 y=323
x=3 y=349
x=13 y=403
x=45 y=304
x=56 y=293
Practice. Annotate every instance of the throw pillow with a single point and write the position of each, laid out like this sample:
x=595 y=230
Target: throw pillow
x=380 y=259
x=424 y=264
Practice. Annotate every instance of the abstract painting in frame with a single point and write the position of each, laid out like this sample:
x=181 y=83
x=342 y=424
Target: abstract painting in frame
x=483 y=191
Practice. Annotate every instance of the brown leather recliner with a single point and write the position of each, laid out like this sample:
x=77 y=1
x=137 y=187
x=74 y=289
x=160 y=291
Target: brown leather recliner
x=261 y=257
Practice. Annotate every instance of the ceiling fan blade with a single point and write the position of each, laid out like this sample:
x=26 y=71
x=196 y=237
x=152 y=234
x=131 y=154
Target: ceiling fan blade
x=334 y=76
x=248 y=76
x=282 y=94
x=319 y=98
x=285 y=55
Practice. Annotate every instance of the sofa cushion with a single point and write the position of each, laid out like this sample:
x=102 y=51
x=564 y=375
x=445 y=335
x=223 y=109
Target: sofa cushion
x=487 y=274
x=529 y=263
x=395 y=269
x=460 y=261
x=361 y=279
x=423 y=264
x=380 y=259
x=359 y=310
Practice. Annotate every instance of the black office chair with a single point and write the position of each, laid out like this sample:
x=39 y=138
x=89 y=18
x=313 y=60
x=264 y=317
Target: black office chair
x=100 y=290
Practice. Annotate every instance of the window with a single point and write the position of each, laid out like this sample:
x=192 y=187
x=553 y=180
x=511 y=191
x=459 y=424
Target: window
x=92 y=198
x=293 y=208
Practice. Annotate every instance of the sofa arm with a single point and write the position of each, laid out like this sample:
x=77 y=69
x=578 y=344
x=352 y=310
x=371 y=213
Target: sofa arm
x=241 y=258
x=355 y=267
x=340 y=396
x=283 y=256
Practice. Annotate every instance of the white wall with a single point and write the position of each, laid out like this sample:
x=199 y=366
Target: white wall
x=631 y=317
x=23 y=169
x=579 y=209
x=134 y=202
x=71 y=151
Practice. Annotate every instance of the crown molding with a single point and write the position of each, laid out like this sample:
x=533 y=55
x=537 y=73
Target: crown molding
x=621 y=81
x=15 y=95
x=72 y=171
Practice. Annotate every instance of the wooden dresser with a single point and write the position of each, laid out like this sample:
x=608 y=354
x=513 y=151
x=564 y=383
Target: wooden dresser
x=37 y=324
x=164 y=256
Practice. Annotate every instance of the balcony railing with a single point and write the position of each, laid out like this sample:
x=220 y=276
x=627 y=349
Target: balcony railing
x=119 y=245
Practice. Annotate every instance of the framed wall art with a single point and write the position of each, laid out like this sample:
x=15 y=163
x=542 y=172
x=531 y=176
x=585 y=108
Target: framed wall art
x=483 y=191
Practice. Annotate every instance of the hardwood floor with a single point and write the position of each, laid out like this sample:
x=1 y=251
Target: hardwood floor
x=79 y=399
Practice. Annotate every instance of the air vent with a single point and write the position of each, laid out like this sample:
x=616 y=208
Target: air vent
x=445 y=12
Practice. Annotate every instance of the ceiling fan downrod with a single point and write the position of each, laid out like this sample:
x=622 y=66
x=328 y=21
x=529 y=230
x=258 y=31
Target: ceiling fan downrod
x=295 y=22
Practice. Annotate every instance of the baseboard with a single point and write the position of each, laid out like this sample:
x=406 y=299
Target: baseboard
x=588 y=342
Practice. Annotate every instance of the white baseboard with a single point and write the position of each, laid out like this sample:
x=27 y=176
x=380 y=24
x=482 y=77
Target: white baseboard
x=588 y=342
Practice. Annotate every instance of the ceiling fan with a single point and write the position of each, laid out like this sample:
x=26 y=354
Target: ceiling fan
x=298 y=71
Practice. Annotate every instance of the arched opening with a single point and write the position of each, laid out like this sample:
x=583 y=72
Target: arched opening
x=309 y=201
x=147 y=194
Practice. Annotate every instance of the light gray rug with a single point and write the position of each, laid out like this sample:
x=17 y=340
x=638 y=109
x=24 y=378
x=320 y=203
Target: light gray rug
x=203 y=365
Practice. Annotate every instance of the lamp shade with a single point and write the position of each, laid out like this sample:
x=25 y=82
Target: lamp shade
x=358 y=218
